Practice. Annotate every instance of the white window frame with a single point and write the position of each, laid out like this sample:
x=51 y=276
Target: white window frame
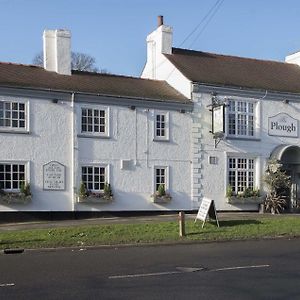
x=10 y=128
x=95 y=165
x=246 y=115
x=166 y=128
x=256 y=168
x=93 y=133
x=26 y=174
x=167 y=177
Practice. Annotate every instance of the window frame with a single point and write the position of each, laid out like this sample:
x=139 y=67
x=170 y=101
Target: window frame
x=255 y=114
x=95 y=165
x=166 y=128
x=10 y=128
x=93 y=133
x=167 y=177
x=256 y=168
x=26 y=174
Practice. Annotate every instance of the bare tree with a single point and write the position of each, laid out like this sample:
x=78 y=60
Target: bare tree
x=79 y=61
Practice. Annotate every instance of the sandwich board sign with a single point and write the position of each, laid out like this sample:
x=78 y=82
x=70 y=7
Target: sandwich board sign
x=207 y=210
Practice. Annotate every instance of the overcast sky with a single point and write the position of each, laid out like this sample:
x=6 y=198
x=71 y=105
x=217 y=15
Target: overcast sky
x=114 y=31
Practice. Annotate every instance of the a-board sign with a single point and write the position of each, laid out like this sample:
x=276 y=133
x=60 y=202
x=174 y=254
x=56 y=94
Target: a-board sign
x=207 y=210
x=54 y=176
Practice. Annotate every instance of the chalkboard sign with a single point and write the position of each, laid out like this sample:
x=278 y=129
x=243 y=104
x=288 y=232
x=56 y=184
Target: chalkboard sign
x=207 y=210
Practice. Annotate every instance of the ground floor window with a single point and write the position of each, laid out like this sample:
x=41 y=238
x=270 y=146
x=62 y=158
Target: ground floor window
x=160 y=177
x=12 y=176
x=241 y=174
x=94 y=177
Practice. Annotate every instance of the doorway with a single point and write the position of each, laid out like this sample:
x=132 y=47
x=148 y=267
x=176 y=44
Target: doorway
x=289 y=157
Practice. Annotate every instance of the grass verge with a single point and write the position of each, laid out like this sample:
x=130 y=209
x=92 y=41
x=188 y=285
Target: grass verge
x=149 y=233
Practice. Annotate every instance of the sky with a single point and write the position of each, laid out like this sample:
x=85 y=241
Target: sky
x=114 y=32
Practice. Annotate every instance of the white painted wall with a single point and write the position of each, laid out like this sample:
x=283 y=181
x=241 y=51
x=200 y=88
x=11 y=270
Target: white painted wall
x=131 y=137
x=213 y=181
x=49 y=139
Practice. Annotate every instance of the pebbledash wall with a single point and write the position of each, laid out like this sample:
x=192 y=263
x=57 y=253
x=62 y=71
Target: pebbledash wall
x=53 y=134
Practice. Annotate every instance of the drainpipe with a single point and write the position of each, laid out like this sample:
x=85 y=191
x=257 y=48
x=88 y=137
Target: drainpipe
x=73 y=156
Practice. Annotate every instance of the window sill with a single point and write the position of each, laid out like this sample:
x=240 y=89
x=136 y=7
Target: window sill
x=161 y=140
x=13 y=131
x=240 y=138
x=92 y=136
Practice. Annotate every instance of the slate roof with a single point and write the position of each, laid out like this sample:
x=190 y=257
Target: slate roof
x=225 y=70
x=16 y=75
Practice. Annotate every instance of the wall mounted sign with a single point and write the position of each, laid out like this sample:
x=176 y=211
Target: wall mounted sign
x=54 y=176
x=283 y=125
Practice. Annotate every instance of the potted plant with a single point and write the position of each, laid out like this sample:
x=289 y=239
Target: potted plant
x=21 y=197
x=86 y=196
x=247 y=196
x=160 y=196
x=278 y=184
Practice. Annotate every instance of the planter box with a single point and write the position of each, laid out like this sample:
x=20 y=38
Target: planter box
x=161 y=199
x=95 y=199
x=14 y=198
x=242 y=200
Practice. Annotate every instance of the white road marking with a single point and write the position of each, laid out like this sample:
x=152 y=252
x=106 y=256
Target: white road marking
x=143 y=275
x=6 y=284
x=182 y=270
x=239 y=268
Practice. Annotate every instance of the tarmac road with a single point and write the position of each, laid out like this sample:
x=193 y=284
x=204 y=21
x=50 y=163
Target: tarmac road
x=266 y=269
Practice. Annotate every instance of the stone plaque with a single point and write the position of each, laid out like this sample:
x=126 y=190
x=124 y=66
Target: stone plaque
x=283 y=125
x=54 y=176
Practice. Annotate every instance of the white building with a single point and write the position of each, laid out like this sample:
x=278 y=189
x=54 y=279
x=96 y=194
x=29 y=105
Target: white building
x=59 y=128
x=261 y=102
x=70 y=134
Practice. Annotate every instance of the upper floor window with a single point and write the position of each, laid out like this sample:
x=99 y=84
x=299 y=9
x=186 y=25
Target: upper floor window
x=161 y=126
x=12 y=176
x=241 y=118
x=12 y=115
x=94 y=121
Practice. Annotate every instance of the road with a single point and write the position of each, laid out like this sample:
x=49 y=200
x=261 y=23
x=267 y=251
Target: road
x=267 y=269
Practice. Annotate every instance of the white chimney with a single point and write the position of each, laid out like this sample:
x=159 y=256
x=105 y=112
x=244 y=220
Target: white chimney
x=293 y=58
x=159 y=42
x=57 y=51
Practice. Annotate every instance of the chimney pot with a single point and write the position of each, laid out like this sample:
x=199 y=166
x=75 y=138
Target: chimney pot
x=160 y=21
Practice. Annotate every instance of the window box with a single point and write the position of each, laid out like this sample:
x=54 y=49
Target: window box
x=244 y=200
x=161 y=199
x=14 y=198
x=95 y=198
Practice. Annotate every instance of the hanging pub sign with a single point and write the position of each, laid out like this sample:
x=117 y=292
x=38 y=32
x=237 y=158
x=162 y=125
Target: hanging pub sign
x=218 y=119
x=283 y=125
x=54 y=176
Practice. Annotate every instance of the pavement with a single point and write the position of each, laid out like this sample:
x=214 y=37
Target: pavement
x=132 y=219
